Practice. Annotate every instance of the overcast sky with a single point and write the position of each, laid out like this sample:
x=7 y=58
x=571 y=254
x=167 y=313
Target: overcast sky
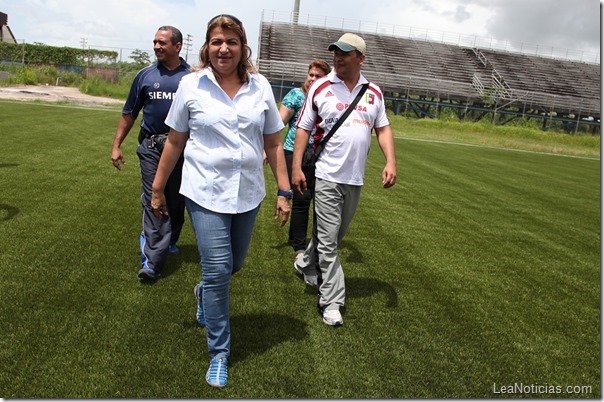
x=131 y=24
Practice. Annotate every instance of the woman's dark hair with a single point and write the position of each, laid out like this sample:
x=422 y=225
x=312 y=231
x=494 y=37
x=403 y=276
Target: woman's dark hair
x=226 y=21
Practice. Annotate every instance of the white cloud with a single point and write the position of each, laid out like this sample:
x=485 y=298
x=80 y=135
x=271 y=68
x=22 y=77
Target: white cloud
x=131 y=24
x=461 y=15
x=573 y=24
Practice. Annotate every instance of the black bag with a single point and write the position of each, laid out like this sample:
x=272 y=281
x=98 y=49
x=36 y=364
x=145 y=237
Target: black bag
x=308 y=164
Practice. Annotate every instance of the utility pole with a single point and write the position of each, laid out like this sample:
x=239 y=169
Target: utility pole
x=83 y=42
x=296 y=11
x=187 y=45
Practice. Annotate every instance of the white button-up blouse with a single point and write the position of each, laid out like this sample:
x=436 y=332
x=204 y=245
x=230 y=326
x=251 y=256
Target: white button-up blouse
x=223 y=169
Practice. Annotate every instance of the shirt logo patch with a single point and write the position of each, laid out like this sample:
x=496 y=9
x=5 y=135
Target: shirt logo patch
x=156 y=85
x=329 y=93
x=341 y=106
x=370 y=99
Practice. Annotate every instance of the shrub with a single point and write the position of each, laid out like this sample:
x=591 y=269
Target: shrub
x=100 y=87
x=46 y=75
x=71 y=79
x=25 y=76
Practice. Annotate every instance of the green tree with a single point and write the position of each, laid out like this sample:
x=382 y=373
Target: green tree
x=140 y=57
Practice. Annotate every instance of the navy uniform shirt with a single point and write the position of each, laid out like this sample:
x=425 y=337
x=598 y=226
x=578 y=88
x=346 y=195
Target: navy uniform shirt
x=152 y=91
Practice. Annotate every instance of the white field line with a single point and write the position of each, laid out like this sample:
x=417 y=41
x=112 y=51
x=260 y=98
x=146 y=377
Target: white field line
x=103 y=107
x=498 y=148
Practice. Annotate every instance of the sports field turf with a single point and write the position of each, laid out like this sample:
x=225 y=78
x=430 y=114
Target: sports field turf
x=477 y=274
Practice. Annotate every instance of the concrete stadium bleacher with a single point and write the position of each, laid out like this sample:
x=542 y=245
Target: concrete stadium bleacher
x=556 y=84
x=424 y=68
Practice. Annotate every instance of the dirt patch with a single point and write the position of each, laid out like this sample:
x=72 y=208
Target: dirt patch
x=54 y=94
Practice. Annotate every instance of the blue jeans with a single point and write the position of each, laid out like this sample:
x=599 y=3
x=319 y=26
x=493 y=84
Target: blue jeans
x=223 y=241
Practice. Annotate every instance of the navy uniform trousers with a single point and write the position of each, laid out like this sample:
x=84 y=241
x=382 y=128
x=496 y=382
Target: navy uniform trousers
x=158 y=234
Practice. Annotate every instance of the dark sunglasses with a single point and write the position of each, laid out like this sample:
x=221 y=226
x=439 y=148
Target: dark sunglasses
x=232 y=17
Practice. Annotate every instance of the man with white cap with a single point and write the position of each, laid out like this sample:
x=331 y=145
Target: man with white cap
x=341 y=166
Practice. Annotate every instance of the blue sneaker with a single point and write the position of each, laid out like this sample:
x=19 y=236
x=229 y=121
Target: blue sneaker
x=217 y=372
x=148 y=274
x=200 y=316
x=172 y=249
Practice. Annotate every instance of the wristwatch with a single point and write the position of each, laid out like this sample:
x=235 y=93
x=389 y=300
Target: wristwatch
x=285 y=193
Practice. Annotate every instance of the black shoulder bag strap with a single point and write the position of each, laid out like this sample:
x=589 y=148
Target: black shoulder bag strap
x=344 y=116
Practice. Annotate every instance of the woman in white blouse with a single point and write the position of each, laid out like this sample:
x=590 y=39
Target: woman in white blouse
x=226 y=115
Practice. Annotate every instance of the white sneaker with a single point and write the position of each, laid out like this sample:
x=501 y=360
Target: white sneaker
x=310 y=280
x=332 y=317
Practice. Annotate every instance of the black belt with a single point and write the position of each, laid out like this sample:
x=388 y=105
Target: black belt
x=148 y=134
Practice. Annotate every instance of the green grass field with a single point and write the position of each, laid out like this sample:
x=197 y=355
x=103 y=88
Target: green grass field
x=479 y=270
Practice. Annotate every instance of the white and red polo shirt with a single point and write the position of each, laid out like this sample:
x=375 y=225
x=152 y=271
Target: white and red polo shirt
x=345 y=155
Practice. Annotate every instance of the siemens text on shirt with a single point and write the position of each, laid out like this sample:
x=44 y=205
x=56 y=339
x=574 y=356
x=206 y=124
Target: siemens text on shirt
x=161 y=95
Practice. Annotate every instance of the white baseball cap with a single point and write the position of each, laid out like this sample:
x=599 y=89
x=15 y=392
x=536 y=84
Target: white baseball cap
x=348 y=42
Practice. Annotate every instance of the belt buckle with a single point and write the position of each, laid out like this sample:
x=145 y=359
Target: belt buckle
x=157 y=141
x=151 y=143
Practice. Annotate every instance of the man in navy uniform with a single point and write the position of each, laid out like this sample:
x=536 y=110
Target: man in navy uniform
x=152 y=92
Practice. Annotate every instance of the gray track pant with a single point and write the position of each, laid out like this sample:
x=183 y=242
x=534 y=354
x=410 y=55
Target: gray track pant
x=159 y=234
x=335 y=206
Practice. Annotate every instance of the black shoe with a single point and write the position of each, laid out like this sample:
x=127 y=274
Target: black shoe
x=148 y=274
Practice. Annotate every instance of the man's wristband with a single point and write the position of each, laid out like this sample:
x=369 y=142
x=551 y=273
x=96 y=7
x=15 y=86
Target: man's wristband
x=285 y=193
